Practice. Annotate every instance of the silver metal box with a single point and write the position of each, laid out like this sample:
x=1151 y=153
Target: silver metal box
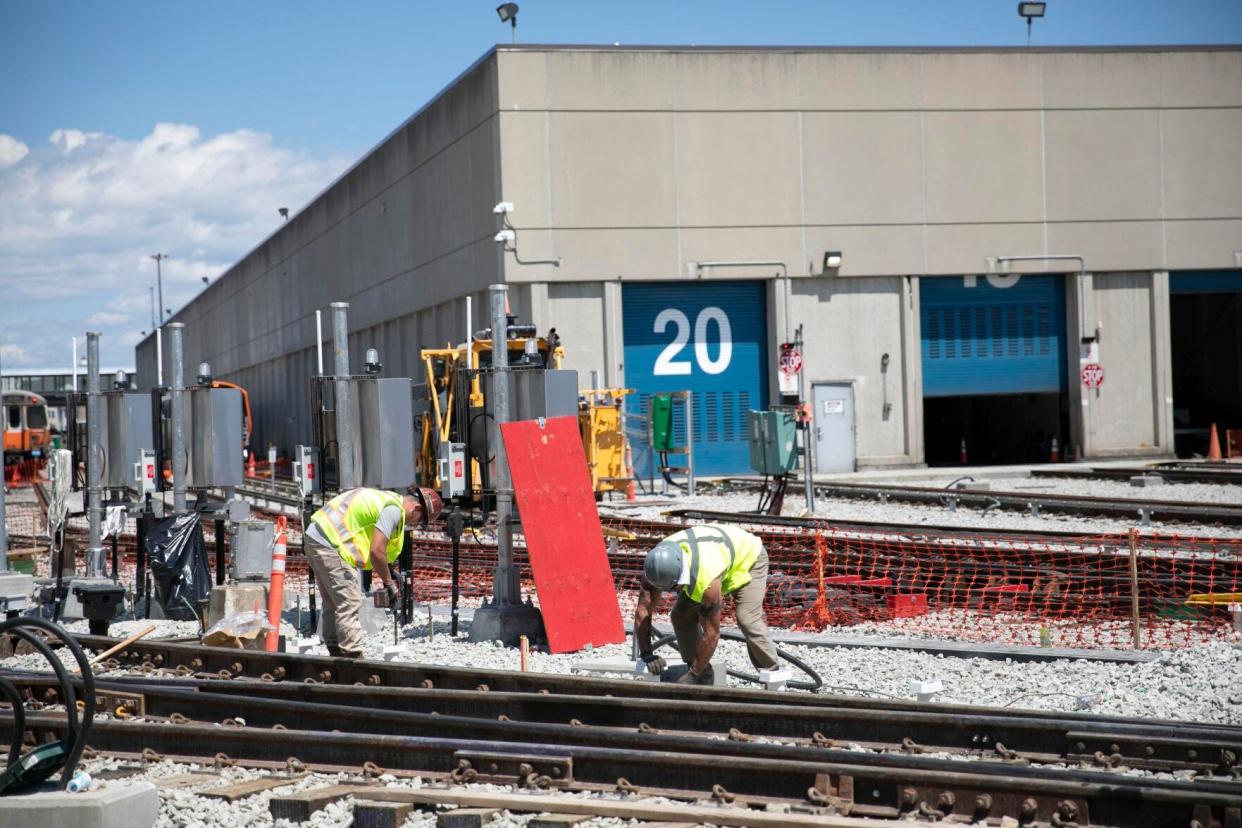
x=214 y=432
x=252 y=551
x=535 y=393
x=127 y=432
x=386 y=432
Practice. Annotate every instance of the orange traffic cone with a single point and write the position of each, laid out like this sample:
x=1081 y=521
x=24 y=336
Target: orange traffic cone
x=250 y=472
x=1213 y=445
x=630 y=495
x=964 y=457
x=1055 y=454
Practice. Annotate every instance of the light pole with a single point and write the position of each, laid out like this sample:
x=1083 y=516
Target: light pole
x=508 y=14
x=1029 y=11
x=159 y=281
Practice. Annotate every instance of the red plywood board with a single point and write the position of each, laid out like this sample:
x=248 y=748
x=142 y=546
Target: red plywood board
x=564 y=538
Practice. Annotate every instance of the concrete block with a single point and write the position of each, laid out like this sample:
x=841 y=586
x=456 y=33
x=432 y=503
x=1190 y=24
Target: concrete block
x=465 y=818
x=392 y=652
x=1143 y=481
x=720 y=675
x=374 y=619
x=637 y=668
x=925 y=690
x=774 y=679
x=108 y=805
x=231 y=599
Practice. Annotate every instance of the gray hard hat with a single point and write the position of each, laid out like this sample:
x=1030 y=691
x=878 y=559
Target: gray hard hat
x=663 y=565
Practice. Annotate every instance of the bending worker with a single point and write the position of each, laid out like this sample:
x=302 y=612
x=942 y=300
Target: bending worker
x=360 y=528
x=706 y=563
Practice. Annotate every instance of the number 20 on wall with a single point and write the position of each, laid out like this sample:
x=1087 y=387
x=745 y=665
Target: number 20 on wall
x=667 y=364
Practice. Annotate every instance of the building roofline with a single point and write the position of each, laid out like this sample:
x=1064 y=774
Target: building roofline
x=604 y=47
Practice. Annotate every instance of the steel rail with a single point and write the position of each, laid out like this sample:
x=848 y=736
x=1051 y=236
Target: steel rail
x=994 y=733
x=1172 y=475
x=288 y=668
x=880 y=790
x=1174 y=511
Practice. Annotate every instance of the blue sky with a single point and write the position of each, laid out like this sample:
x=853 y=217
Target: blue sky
x=134 y=127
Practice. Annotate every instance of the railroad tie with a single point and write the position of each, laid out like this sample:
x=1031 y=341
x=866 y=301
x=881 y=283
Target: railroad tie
x=372 y=814
x=464 y=818
x=299 y=807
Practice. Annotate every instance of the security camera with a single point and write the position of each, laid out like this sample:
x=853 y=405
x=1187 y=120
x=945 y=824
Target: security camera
x=503 y=207
x=505 y=237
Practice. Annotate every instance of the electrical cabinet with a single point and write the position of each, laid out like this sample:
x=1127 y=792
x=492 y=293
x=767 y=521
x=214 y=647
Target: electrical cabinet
x=214 y=432
x=773 y=439
x=127 y=432
x=386 y=431
x=661 y=414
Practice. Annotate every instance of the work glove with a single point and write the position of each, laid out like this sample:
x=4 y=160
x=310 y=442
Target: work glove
x=655 y=664
x=704 y=678
x=394 y=597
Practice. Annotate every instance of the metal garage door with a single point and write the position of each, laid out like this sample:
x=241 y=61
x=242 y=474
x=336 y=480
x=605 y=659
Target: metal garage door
x=707 y=338
x=992 y=335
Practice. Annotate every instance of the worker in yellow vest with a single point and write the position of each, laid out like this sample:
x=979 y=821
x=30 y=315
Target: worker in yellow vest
x=704 y=564
x=360 y=528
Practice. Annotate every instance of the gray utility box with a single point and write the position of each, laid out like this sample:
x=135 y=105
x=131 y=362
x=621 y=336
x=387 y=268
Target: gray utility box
x=386 y=425
x=536 y=392
x=252 y=551
x=214 y=433
x=126 y=432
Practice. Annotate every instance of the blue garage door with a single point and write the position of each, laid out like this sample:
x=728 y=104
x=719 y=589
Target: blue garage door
x=1005 y=335
x=706 y=338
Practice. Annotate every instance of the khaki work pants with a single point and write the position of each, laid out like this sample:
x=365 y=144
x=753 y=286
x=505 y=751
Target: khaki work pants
x=747 y=608
x=341 y=598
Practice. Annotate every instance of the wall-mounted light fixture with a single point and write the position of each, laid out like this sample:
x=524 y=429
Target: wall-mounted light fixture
x=832 y=260
x=1030 y=11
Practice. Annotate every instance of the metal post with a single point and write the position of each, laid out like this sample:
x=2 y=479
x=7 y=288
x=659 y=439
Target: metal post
x=4 y=534
x=690 y=444
x=175 y=330
x=506 y=588
x=221 y=550
x=346 y=474
x=95 y=554
x=159 y=357
x=74 y=340
x=319 y=339
x=453 y=524
x=1135 y=628
x=808 y=468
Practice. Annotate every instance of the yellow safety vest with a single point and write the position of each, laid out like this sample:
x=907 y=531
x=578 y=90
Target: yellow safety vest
x=723 y=552
x=348 y=520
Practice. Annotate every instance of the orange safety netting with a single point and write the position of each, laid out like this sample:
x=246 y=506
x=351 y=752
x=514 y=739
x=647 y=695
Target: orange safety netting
x=1069 y=591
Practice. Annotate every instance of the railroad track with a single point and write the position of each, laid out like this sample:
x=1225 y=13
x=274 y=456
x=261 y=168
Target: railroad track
x=1144 y=511
x=815 y=753
x=1191 y=473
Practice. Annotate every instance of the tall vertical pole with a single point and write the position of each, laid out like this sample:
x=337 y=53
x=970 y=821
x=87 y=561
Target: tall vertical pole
x=152 y=292
x=4 y=534
x=175 y=330
x=346 y=473
x=1135 y=626
x=319 y=340
x=94 y=453
x=159 y=357
x=506 y=587
x=74 y=340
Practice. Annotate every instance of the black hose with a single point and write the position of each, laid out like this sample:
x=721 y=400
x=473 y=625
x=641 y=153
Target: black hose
x=813 y=685
x=79 y=731
x=19 y=718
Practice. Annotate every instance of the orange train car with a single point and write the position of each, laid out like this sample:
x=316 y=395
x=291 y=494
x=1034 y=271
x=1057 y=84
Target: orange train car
x=26 y=433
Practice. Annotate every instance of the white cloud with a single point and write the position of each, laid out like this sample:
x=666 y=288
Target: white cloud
x=80 y=215
x=11 y=150
x=14 y=356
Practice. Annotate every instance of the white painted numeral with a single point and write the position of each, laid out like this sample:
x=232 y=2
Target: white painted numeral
x=666 y=364
x=725 y=356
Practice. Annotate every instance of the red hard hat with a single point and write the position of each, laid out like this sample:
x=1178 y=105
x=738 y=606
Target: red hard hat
x=430 y=501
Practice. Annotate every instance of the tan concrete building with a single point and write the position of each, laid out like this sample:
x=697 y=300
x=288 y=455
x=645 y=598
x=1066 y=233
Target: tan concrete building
x=653 y=176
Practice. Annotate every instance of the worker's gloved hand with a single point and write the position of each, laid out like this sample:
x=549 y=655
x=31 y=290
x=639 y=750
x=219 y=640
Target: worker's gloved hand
x=706 y=677
x=394 y=597
x=655 y=664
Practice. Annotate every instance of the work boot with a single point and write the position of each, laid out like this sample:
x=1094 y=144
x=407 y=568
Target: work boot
x=349 y=653
x=334 y=651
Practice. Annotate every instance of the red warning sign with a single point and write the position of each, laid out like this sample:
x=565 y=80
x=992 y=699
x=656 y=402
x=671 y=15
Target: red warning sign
x=1092 y=374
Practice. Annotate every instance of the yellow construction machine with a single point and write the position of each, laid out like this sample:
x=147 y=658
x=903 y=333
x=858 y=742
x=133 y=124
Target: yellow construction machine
x=456 y=406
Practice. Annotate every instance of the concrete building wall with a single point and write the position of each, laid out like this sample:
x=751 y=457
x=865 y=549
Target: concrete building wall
x=634 y=164
x=402 y=236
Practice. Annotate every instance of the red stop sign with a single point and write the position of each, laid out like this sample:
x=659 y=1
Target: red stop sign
x=1092 y=375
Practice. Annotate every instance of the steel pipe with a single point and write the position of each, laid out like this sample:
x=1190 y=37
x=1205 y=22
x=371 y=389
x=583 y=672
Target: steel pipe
x=346 y=469
x=176 y=332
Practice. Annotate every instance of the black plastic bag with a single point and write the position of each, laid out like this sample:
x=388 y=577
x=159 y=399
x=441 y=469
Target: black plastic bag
x=178 y=559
